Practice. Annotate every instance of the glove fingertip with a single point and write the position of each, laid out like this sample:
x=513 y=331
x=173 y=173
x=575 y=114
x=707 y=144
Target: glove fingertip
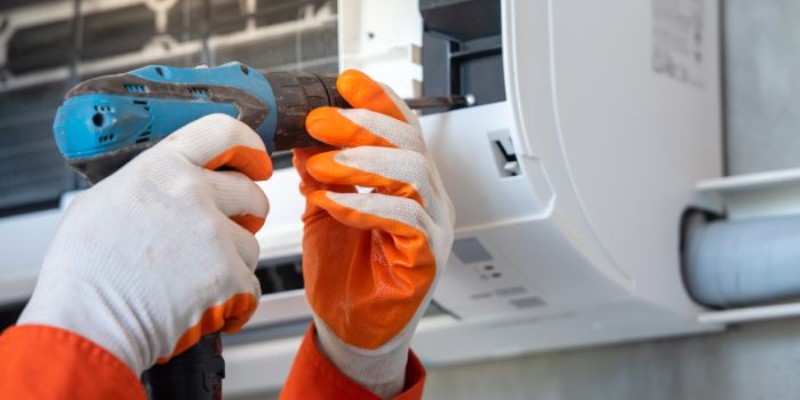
x=250 y=222
x=254 y=163
x=318 y=197
x=319 y=122
x=361 y=91
x=349 y=83
x=318 y=164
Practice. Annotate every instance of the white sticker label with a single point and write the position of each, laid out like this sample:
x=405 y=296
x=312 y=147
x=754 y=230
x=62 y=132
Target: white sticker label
x=678 y=39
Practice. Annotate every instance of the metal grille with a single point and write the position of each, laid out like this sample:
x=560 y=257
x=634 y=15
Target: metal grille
x=48 y=50
x=32 y=172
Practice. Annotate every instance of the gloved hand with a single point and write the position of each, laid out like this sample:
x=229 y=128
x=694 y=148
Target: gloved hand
x=150 y=259
x=371 y=260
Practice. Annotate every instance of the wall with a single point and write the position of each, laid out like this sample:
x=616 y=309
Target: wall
x=763 y=84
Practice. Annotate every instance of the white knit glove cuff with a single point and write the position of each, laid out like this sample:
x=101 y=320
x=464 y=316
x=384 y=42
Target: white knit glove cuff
x=382 y=370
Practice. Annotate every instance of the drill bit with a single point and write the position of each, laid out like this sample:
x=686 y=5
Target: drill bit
x=449 y=102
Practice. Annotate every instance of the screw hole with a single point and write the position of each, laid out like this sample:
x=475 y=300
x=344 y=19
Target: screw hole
x=245 y=70
x=98 y=119
x=160 y=71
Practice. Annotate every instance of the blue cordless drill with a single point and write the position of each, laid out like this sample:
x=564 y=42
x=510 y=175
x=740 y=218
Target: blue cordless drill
x=106 y=121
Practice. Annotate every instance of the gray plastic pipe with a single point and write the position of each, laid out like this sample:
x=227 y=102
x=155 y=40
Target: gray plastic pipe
x=742 y=263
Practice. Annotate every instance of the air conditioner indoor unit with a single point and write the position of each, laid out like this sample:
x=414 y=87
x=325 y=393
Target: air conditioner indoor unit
x=594 y=121
x=570 y=175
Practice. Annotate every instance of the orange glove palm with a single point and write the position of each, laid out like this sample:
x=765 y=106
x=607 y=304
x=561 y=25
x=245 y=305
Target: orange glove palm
x=371 y=259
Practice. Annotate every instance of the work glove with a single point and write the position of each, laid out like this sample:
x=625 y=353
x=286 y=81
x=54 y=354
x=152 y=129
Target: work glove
x=162 y=251
x=371 y=260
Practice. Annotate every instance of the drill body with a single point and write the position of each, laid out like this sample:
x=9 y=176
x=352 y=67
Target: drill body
x=106 y=121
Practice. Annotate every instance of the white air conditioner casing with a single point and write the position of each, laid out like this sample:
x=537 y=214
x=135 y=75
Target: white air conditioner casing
x=612 y=123
x=613 y=111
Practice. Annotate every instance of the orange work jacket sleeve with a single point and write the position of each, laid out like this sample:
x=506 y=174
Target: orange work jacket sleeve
x=47 y=363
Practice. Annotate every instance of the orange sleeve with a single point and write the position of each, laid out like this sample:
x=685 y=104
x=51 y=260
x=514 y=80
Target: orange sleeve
x=45 y=363
x=313 y=376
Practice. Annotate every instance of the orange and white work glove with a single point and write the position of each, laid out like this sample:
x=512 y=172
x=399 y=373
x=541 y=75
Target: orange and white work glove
x=162 y=251
x=371 y=260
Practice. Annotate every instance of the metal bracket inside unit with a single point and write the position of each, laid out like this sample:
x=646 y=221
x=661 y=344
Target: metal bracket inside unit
x=460 y=57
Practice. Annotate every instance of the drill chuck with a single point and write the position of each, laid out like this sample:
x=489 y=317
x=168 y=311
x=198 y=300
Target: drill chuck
x=296 y=94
